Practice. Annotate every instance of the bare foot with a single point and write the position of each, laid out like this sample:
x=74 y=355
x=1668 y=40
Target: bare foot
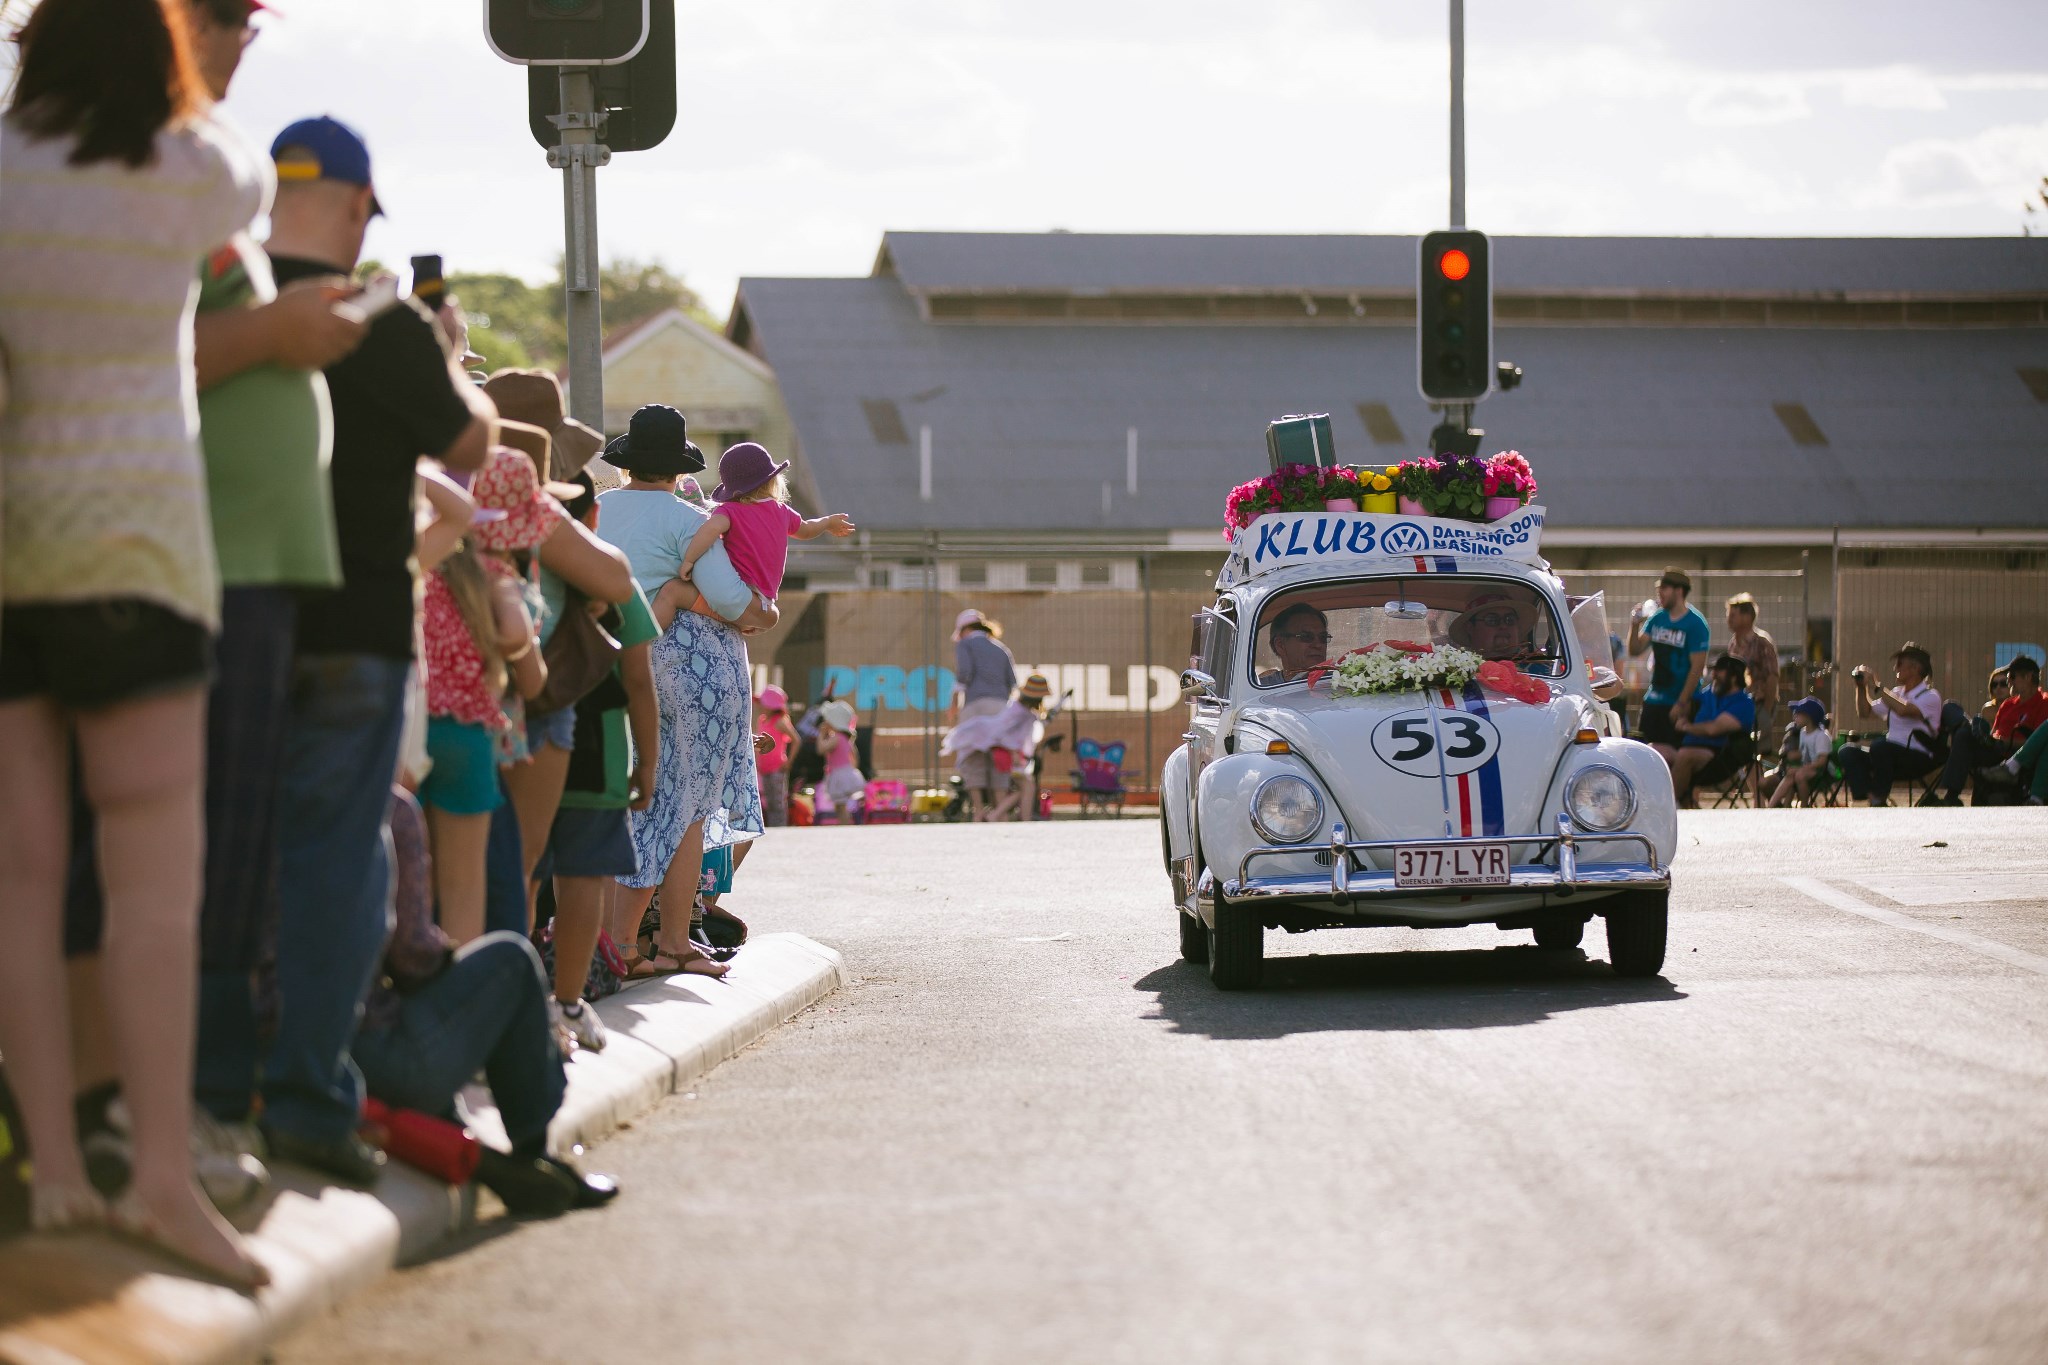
x=184 y=1224
x=65 y=1208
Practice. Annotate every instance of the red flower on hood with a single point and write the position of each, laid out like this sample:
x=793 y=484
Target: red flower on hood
x=1499 y=676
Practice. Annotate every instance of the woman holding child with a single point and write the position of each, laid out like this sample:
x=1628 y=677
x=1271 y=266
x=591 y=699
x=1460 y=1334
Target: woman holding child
x=706 y=790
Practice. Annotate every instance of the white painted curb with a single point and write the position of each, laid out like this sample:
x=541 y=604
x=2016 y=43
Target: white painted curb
x=323 y=1243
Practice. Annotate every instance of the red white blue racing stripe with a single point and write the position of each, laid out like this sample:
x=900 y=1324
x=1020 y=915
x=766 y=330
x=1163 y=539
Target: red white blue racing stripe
x=1476 y=806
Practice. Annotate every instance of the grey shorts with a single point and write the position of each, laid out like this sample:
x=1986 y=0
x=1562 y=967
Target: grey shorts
x=978 y=772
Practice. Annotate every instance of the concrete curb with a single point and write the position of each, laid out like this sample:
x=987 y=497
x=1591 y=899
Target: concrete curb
x=94 y=1298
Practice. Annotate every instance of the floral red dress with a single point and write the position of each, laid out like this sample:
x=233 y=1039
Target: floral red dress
x=455 y=666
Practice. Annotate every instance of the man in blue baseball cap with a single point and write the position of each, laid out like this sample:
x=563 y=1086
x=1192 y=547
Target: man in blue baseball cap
x=396 y=398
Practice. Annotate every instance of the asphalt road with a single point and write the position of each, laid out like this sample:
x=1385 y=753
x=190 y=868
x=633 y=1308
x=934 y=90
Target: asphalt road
x=1028 y=1133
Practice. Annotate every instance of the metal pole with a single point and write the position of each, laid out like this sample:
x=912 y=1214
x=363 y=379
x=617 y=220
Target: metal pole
x=931 y=642
x=1144 y=698
x=1457 y=113
x=578 y=157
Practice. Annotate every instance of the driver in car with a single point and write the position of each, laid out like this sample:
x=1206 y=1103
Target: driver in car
x=1495 y=626
x=1300 y=637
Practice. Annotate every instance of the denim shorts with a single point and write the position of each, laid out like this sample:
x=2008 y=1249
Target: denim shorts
x=590 y=843
x=551 y=727
x=100 y=652
x=464 y=778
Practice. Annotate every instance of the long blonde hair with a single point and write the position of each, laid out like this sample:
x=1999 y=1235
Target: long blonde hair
x=775 y=490
x=469 y=583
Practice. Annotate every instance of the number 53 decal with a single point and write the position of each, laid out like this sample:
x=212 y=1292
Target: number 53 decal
x=1409 y=742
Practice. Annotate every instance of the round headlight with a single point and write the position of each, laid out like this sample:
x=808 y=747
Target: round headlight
x=1598 y=797
x=1287 y=809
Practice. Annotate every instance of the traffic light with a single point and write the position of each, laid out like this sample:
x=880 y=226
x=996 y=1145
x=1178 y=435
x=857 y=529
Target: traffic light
x=639 y=96
x=566 y=32
x=1454 y=316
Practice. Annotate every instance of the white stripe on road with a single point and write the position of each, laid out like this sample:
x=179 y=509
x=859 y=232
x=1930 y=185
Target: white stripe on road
x=1842 y=900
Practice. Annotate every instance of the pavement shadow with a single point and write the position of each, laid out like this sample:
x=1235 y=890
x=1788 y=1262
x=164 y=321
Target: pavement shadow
x=1396 y=992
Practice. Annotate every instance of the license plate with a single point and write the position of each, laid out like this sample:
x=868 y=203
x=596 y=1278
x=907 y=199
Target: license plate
x=1463 y=864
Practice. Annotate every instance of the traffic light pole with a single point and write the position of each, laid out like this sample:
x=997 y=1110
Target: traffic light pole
x=1454 y=435
x=1457 y=113
x=577 y=156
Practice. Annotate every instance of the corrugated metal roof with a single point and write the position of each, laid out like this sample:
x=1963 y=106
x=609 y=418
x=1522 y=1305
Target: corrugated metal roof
x=1066 y=262
x=1627 y=427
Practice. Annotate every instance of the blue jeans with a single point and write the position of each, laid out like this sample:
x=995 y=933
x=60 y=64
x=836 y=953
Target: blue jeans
x=334 y=883
x=487 y=1010
x=506 y=907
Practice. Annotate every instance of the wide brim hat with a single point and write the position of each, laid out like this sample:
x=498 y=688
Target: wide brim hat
x=773 y=698
x=1035 y=686
x=535 y=398
x=743 y=468
x=838 y=714
x=510 y=483
x=1918 y=655
x=656 y=444
x=973 y=616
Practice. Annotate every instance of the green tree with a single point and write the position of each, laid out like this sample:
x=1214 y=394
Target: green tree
x=511 y=322
x=515 y=322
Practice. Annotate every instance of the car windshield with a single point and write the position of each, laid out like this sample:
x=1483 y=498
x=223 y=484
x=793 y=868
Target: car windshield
x=1495 y=617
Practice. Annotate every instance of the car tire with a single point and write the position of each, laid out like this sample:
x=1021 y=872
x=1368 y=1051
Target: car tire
x=1636 y=925
x=1194 y=939
x=1560 y=931
x=1237 y=947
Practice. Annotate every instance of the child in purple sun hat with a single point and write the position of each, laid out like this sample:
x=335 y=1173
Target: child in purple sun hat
x=752 y=515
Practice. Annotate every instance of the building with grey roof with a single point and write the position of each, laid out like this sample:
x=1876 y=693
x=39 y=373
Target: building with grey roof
x=1739 y=392
x=1012 y=415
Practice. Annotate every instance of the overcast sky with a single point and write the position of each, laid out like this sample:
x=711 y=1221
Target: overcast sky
x=808 y=127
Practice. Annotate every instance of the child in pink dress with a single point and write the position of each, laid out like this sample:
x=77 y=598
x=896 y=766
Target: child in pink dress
x=753 y=516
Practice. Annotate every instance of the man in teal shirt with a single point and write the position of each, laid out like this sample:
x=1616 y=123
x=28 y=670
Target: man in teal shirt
x=1678 y=637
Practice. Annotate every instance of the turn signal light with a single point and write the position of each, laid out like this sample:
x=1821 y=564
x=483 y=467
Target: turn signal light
x=1586 y=737
x=1279 y=746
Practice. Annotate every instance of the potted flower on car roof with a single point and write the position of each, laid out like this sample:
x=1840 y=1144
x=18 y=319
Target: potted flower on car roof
x=1509 y=485
x=1450 y=486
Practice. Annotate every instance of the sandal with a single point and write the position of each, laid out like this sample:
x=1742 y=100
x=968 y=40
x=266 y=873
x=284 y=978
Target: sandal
x=690 y=962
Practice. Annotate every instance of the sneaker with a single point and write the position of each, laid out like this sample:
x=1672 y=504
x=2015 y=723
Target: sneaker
x=228 y=1159
x=583 y=1024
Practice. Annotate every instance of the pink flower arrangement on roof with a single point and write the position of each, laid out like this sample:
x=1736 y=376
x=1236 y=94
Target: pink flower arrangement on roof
x=1508 y=476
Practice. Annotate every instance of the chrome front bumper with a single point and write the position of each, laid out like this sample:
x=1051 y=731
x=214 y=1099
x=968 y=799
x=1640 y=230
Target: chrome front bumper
x=1344 y=885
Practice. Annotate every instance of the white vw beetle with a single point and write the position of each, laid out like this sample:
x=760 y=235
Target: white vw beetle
x=1294 y=806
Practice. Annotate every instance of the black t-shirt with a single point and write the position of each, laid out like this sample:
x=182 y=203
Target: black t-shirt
x=394 y=400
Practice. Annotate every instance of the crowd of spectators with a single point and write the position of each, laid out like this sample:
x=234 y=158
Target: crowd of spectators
x=324 y=695
x=1712 y=732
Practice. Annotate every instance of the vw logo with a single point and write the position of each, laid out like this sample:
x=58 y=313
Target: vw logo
x=1405 y=538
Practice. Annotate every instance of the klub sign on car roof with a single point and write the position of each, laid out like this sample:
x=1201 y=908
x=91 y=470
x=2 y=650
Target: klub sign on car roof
x=1286 y=539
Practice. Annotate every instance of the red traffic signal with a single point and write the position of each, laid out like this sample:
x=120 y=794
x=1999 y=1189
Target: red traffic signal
x=1454 y=316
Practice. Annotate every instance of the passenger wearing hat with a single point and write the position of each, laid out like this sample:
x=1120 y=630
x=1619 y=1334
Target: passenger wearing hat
x=1678 y=635
x=1816 y=748
x=1708 y=751
x=752 y=518
x=397 y=397
x=1912 y=716
x=646 y=519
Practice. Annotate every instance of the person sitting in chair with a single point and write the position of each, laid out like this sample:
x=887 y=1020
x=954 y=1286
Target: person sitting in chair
x=1708 y=752
x=1300 y=637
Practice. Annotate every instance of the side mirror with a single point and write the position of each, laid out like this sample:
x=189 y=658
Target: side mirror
x=1196 y=685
